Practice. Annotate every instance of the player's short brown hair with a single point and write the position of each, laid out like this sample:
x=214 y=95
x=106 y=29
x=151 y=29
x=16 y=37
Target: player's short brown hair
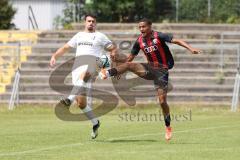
x=90 y=15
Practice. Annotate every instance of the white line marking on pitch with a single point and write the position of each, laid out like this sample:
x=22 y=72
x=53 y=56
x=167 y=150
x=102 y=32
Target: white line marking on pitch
x=39 y=150
x=111 y=139
x=183 y=131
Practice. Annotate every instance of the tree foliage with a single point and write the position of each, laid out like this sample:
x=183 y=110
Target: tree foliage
x=6 y=14
x=222 y=11
x=130 y=10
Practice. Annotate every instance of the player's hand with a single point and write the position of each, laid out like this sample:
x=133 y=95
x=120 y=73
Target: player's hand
x=196 y=51
x=52 y=61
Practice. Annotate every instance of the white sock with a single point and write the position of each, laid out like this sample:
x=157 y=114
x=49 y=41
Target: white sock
x=71 y=97
x=107 y=73
x=89 y=113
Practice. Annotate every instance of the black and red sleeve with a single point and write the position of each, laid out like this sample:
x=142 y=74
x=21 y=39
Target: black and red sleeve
x=165 y=37
x=136 y=48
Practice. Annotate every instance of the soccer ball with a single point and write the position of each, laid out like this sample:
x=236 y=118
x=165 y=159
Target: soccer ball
x=103 y=61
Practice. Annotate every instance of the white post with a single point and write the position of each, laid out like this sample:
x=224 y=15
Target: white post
x=221 y=53
x=238 y=58
x=209 y=8
x=235 y=99
x=18 y=68
x=28 y=19
x=177 y=8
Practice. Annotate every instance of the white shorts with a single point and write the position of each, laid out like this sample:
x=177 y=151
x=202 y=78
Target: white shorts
x=81 y=70
x=76 y=81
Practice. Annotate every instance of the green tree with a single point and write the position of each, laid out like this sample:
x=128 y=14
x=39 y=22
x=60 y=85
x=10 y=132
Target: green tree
x=222 y=11
x=130 y=10
x=6 y=14
x=226 y=11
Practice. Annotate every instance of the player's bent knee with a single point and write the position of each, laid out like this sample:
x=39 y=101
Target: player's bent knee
x=81 y=102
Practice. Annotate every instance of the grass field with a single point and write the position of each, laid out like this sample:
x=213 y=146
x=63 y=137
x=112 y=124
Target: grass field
x=28 y=133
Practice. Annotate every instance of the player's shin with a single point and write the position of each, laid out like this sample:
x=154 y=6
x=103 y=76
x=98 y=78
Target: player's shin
x=88 y=109
x=167 y=120
x=90 y=115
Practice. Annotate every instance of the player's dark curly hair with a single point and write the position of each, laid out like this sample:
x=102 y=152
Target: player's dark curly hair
x=149 y=22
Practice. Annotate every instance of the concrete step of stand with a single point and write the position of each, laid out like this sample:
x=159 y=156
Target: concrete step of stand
x=164 y=26
x=171 y=97
x=209 y=49
x=179 y=65
x=26 y=87
x=177 y=57
x=175 y=80
x=175 y=72
x=52 y=103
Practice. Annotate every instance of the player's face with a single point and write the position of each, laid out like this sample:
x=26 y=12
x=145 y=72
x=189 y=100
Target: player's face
x=145 y=29
x=90 y=24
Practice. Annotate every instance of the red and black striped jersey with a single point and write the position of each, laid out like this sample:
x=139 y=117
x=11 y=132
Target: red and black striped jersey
x=155 y=49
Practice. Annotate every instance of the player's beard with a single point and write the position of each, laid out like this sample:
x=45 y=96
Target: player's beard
x=91 y=29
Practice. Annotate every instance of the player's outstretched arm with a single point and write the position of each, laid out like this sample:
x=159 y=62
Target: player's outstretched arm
x=185 y=45
x=59 y=53
x=113 y=51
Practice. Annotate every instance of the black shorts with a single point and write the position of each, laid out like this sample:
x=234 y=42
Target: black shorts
x=159 y=75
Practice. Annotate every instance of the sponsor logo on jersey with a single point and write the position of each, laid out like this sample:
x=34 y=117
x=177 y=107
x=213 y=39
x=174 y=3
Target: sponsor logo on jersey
x=155 y=41
x=150 y=49
x=85 y=44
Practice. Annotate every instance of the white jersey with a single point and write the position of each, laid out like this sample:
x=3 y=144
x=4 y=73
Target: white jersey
x=89 y=43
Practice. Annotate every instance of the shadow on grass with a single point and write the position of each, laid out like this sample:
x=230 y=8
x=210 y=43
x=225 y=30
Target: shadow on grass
x=127 y=141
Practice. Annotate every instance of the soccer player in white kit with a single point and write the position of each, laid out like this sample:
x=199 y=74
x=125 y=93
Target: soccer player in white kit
x=88 y=42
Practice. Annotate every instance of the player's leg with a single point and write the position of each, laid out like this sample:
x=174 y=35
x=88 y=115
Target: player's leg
x=85 y=104
x=136 y=68
x=161 y=83
x=79 y=79
x=69 y=100
x=160 y=78
x=84 y=100
x=162 y=95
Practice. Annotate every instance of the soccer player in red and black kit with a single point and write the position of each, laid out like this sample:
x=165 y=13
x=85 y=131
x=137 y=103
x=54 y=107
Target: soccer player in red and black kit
x=160 y=60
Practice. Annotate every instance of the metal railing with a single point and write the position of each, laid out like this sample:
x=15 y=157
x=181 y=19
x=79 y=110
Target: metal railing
x=31 y=19
x=235 y=98
x=15 y=89
x=10 y=64
x=223 y=34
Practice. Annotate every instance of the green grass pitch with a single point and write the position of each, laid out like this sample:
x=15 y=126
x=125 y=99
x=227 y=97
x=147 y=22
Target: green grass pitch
x=32 y=133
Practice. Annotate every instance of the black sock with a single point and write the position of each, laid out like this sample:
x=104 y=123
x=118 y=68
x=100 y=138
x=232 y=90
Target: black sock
x=167 y=120
x=112 y=72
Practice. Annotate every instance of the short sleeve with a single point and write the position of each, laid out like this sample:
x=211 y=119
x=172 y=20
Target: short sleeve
x=135 y=48
x=105 y=41
x=73 y=41
x=165 y=37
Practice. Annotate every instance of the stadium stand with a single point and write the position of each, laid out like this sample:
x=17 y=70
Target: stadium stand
x=196 y=78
